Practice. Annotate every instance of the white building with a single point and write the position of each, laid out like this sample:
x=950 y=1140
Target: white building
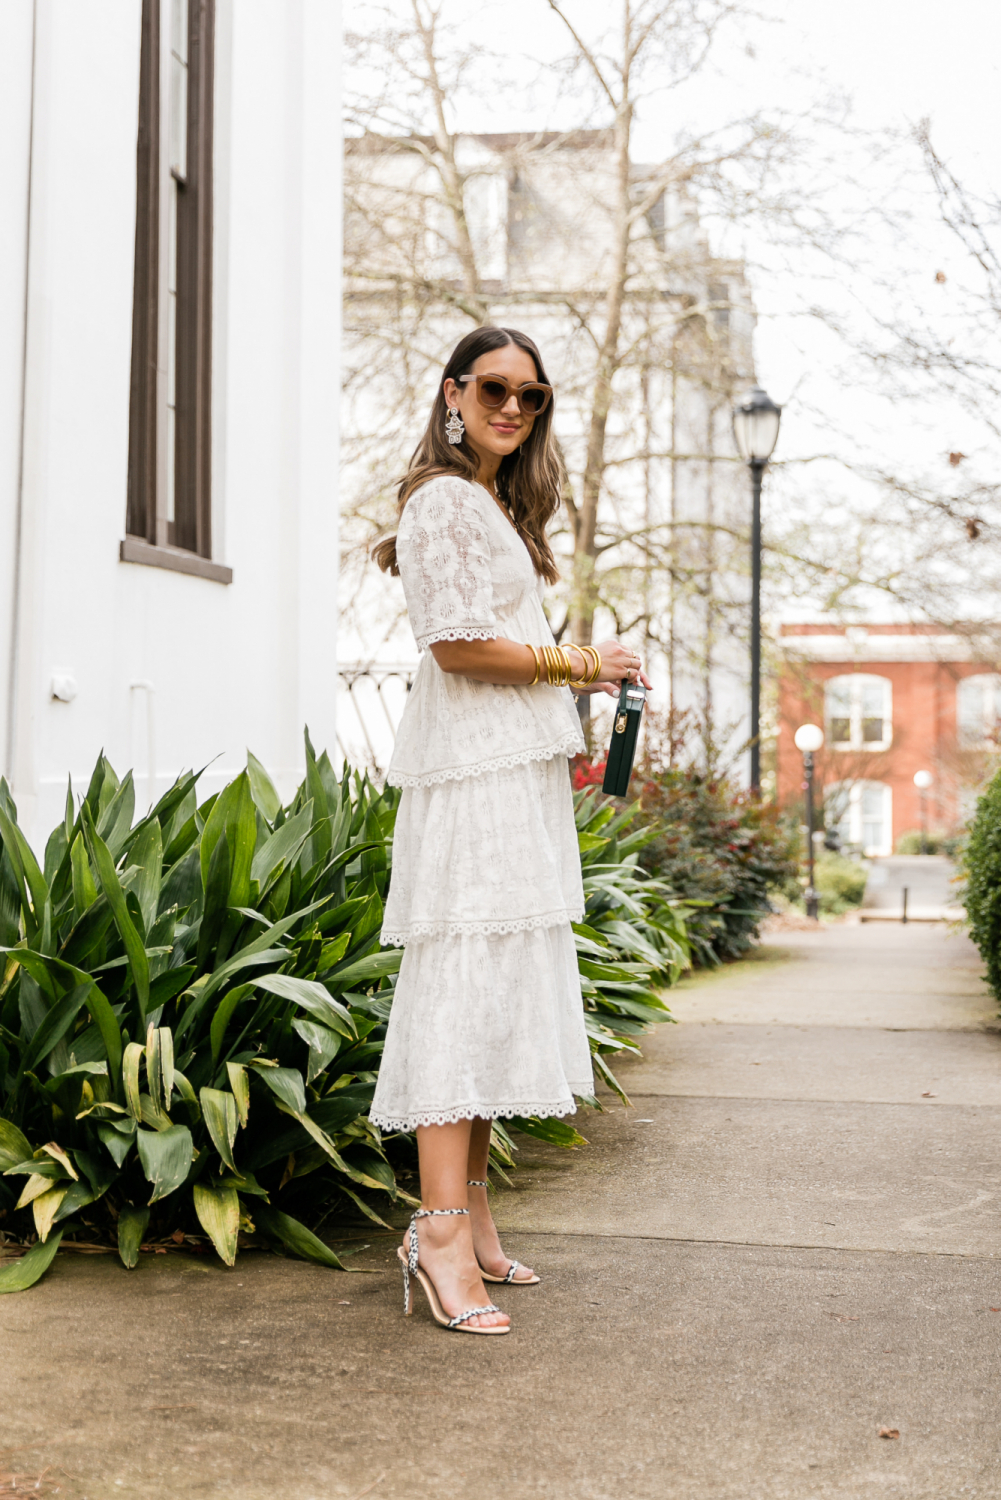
x=169 y=370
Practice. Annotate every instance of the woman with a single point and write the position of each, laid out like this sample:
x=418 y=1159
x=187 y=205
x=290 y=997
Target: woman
x=487 y=1020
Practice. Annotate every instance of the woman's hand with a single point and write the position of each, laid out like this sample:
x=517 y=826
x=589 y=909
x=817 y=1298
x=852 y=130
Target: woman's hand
x=617 y=662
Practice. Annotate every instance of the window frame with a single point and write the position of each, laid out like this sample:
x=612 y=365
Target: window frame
x=856 y=683
x=854 y=791
x=967 y=737
x=160 y=533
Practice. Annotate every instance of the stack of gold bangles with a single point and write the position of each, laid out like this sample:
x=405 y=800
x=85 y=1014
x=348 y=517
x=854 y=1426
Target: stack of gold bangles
x=559 y=667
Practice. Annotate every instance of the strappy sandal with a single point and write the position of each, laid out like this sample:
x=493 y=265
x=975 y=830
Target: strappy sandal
x=508 y=1279
x=411 y=1267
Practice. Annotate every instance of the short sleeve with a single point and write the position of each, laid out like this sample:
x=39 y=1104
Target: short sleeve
x=443 y=552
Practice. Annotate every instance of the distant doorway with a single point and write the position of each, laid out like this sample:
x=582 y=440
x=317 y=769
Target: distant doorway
x=861 y=813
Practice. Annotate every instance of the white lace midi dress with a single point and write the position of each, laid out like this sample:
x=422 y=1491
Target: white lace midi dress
x=487 y=1019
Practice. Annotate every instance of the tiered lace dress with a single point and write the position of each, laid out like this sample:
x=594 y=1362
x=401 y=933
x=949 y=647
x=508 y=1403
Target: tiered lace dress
x=487 y=1019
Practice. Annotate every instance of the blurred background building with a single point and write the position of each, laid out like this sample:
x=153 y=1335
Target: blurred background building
x=170 y=172
x=894 y=700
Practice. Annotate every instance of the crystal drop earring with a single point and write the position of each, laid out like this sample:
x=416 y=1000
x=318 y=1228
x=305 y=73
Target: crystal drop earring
x=454 y=425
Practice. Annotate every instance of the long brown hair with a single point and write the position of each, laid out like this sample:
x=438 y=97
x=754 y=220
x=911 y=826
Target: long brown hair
x=529 y=481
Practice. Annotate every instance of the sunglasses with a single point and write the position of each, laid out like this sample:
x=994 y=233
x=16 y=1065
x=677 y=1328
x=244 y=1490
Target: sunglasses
x=493 y=392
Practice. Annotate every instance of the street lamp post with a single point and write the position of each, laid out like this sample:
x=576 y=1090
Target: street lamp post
x=756 y=430
x=923 y=780
x=809 y=738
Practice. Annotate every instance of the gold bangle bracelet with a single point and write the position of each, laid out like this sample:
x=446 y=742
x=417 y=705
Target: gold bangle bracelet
x=589 y=663
x=566 y=651
x=592 y=666
x=595 y=672
x=557 y=671
x=538 y=664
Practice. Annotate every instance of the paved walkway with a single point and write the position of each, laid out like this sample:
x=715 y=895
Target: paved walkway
x=791 y=1241
x=929 y=881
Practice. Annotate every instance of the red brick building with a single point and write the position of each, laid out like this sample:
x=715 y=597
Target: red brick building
x=892 y=700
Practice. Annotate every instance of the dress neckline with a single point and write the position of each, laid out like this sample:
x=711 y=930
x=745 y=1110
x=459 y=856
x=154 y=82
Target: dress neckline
x=499 y=505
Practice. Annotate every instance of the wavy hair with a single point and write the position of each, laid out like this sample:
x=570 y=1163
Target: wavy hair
x=529 y=481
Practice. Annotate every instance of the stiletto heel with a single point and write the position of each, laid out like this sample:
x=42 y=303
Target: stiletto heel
x=412 y=1267
x=508 y=1279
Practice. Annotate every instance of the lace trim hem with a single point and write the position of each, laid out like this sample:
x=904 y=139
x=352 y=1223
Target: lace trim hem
x=571 y=743
x=478 y=1112
x=460 y=633
x=501 y=928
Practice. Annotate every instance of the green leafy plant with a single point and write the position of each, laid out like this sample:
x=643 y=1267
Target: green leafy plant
x=191 y=1013
x=633 y=941
x=982 y=871
x=193 y=1009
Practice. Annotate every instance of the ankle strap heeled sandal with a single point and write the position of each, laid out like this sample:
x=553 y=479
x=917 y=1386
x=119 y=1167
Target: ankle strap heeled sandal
x=412 y=1267
x=508 y=1279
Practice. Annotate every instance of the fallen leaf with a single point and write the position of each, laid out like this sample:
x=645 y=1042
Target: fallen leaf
x=889 y=1432
x=956 y=459
x=995 y=1309
x=929 y=1095
x=940 y=278
x=178 y=1236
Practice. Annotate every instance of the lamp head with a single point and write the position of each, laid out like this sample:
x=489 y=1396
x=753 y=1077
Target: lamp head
x=809 y=737
x=756 y=426
x=923 y=780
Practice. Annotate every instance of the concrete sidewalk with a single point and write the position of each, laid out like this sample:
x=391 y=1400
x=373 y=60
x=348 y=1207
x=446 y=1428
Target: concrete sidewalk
x=791 y=1241
x=927 y=883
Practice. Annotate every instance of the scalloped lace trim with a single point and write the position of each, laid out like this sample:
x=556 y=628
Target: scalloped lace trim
x=476 y=1112
x=571 y=743
x=460 y=633
x=473 y=928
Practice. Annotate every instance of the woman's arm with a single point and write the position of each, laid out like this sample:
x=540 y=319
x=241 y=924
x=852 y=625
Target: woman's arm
x=507 y=662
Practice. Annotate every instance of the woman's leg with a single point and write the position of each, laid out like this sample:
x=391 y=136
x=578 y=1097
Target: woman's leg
x=446 y=1243
x=485 y=1241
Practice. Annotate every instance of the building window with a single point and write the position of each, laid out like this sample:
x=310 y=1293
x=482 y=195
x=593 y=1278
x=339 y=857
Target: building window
x=861 y=813
x=719 y=296
x=169 y=494
x=858 y=712
x=978 y=711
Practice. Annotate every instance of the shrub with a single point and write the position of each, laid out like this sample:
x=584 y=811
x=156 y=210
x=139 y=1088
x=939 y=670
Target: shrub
x=723 y=849
x=193 y=1009
x=982 y=869
x=934 y=843
x=840 y=883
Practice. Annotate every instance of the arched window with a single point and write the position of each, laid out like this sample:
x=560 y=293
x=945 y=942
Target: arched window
x=978 y=711
x=861 y=813
x=858 y=709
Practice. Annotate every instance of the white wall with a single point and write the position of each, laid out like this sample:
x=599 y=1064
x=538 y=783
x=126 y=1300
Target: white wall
x=229 y=665
x=15 y=126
